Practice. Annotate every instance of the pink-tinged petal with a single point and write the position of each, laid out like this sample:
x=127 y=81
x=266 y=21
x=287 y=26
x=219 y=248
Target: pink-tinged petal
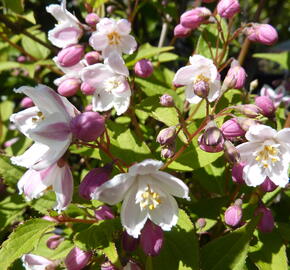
x=63 y=187
x=165 y=214
x=128 y=44
x=186 y=75
x=259 y=133
x=114 y=190
x=214 y=90
x=123 y=90
x=35 y=262
x=132 y=217
x=253 y=174
x=121 y=104
x=99 y=41
x=172 y=185
x=111 y=48
x=102 y=101
x=95 y=75
x=117 y=64
x=106 y=25
x=190 y=96
x=247 y=149
x=124 y=27
x=147 y=166
x=284 y=135
x=70 y=72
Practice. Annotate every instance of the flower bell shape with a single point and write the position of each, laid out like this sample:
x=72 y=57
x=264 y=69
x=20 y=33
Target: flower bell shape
x=262 y=33
x=77 y=259
x=236 y=76
x=266 y=105
x=110 y=81
x=35 y=262
x=143 y=68
x=277 y=96
x=267 y=154
x=68 y=29
x=201 y=69
x=47 y=124
x=147 y=193
x=194 y=18
x=228 y=8
x=112 y=35
x=58 y=177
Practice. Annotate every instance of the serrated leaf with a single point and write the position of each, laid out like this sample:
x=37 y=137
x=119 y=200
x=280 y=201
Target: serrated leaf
x=111 y=253
x=283 y=58
x=23 y=240
x=10 y=173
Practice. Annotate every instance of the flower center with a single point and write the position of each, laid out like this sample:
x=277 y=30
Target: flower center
x=267 y=156
x=149 y=199
x=112 y=84
x=114 y=38
x=38 y=117
x=201 y=77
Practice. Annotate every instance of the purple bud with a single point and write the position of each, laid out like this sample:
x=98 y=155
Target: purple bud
x=236 y=76
x=228 y=8
x=268 y=185
x=143 y=68
x=181 y=31
x=93 y=57
x=166 y=136
x=201 y=88
x=92 y=19
x=77 y=259
x=70 y=55
x=262 y=33
x=250 y=110
x=26 y=103
x=231 y=128
x=167 y=100
x=104 y=212
x=201 y=223
x=266 y=105
x=94 y=179
x=151 y=239
x=193 y=18
x=237 y=173
x=168 y=151
x=233 y=215
x=207 y=148
x=21 y=59
x=87 y=89
x=266 y=223
x=88 y=126
x=54 y=241
x=69 y=87
x=231 y=153
x=129 y=243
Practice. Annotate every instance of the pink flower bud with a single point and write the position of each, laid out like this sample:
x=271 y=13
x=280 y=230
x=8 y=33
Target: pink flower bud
x=93 y=57
x=262 y=33
x=70 y=55
x=21 y=59
x=89 y=108
x=233 y=215
x=110 y=9
x=26 y=103
x=210 y=149
x=237 y=173
x=88 y=126
x=231 y=128
x=236 y=76
x=266 y=223
x=77 y=259
x=266 y=105
x=54 y=241
x=201 y=223
x=151 y=239
x=69 y=87
x=201 y=88
x=168 y=151
x=167 y=100
x=94 y=178
x=181 y=31
x=92 y=19
x=129 y=243
x=228 y=8
x=143 y=68
x=268 y=185
x=166 y=136
x=193 y=18
x=231 y=153
x=250 y=110
x=87 y=89
x=104 y=212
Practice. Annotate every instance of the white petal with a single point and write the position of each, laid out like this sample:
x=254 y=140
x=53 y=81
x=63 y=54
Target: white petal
x=121 y=104
x=172 y=185
x=260 y=133
x=247 y=149
x=111 y=48
x=102 y=101
x=114 y=190
x=214 y=90
x=96 y=74
x=132 y=218
x=279 y=175
x=128 y=44
x=99 y=41
x=284 y=135
x=35 y=262
x=117 y=64
x=106 y=25
x=147 y=166
x=253 y=174
x=186 y=75
x=190 y=96
x=124 y=27
x=72 y=71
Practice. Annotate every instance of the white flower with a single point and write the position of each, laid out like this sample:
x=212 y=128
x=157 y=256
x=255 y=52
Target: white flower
x=110 y=81
x=278 y=95
x=47 y=124
x=35 y=262
x=147 y=194
x=68 y=30
x=201 y=69
x=267 y=154
x=112 y=35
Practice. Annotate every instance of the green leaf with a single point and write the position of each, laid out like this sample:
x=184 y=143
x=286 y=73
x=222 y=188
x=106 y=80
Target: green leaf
x=97 y=3
x=8 y=65
x=10 y=173
x=228 y=252
x=23 y=240
x=16 y=6
x=6 y=109
x=44 y=203
x=167 y=57
x=111 y=253
x=283 y=58
x=180 y=250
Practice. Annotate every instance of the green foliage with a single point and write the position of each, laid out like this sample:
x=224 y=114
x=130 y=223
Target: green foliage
x=15 y=5
x=11 y=174
x=283 y=58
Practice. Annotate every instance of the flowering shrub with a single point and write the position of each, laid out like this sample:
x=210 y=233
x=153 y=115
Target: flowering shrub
x=131 y=155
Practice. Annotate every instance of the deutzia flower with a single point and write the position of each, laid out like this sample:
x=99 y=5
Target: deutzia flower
x=47 y=123
x=35 y=262
x=112 y=35
x=68 y=30
x=58 y=176
x=147 y=193
x=200 y=78
x=267 y=154
x=110 y=81
x=278 y=95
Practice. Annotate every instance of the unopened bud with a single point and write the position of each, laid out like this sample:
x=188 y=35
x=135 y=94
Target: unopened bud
x=93 y=57
x=266 y=105
x=236 y=76
x=167 y=100
x=92 y=19
x=70 y=55
x=166 y=136
x=231 y=153
x=201 y=223
x=249 y=110
x=262 y=33
x=69 y=87
x=193 y=18
x=88 y=126
x=266 y=223
x=237 y=173
x=21 y=59
x=268 y=185
x=89 y=108
x=231 y=129
x=246 y=123
x=181 y=31
x=201 y=88
x=168 y=151
x=129 y=243
x=77 y=259
x=110 y=9
x=131 y=265
x=253 y=85
x=104 y=212
x=228 y=8
x=143 y=68
x=87 y=89
x=54 y=241
x=26 y=103
x=233 y=215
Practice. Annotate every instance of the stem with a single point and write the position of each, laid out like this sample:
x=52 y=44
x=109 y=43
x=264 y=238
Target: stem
x=135 y=124
x=75 y=220
x=163 y=31
x=194 y=111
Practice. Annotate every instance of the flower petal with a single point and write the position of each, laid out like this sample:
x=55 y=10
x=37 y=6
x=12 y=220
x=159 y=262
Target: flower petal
x=128 y=44
x=102 y=101
x=147 y=166
x=96 y=74
x=106 y=25
x=186 y=75
x=214 y=90
x=99 y=41
x=121 y=104
x=117 y=64
x=253 y=174
x=284 y=135
x=260 y=133
x=247 y=149
x=124 y=27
